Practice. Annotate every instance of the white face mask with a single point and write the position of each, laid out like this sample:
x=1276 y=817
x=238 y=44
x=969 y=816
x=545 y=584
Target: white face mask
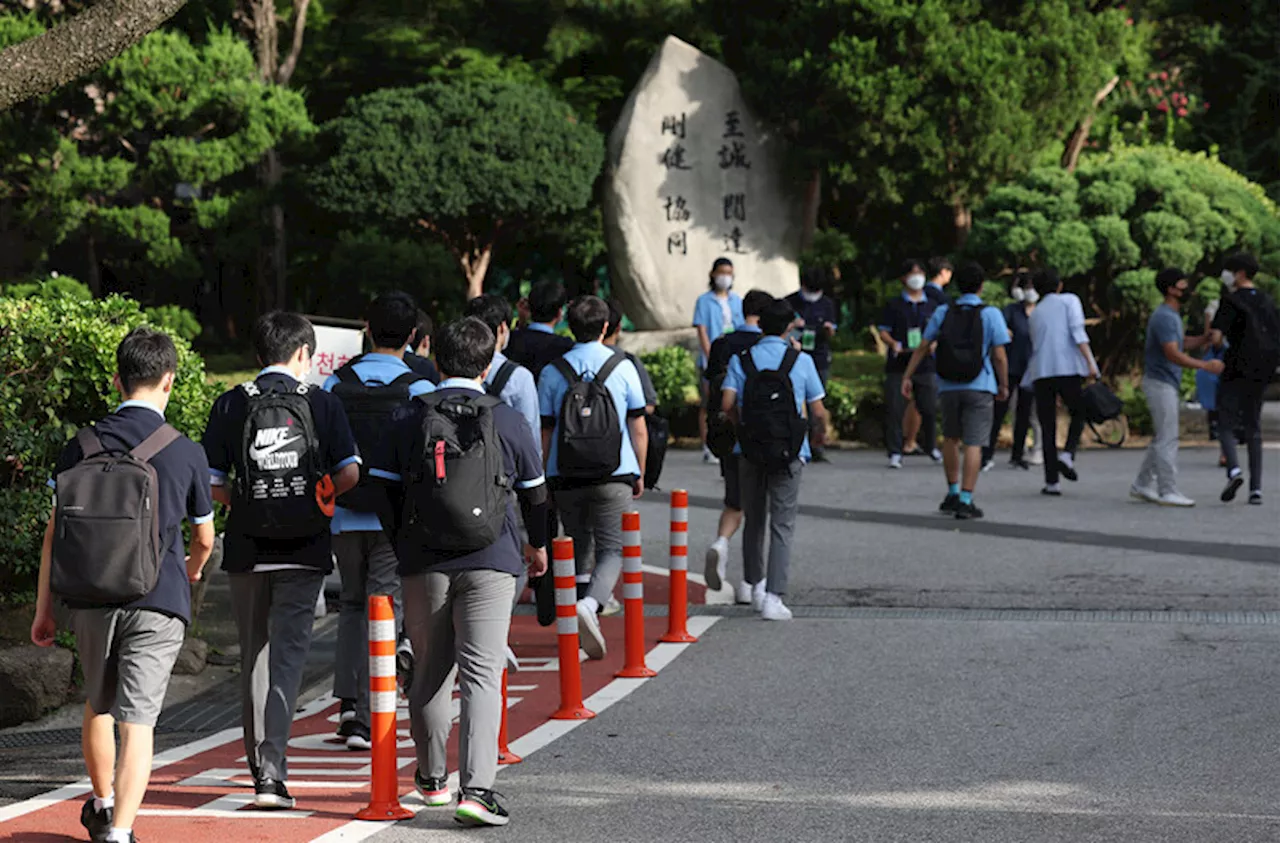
x=809 y=296
x=1031 y=296
x=1018 y=294
x=724 y=282
x=915 y=281
x=1229 y=279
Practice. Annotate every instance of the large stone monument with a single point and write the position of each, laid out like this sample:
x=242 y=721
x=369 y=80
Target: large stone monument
x=692 y=176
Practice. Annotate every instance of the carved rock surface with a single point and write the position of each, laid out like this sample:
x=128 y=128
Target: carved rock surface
x=692 y=176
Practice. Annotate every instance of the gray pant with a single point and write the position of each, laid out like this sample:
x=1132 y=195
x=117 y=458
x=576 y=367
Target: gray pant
x=367 y=565
x=1160 y=467
x=274 y=612
x=592 y=517
x=127 y=656
x=772 y=500
x=925 y=396
x=458 y=620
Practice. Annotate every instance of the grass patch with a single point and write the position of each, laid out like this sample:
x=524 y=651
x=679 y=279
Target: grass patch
x=230 y=368
x=855 y=366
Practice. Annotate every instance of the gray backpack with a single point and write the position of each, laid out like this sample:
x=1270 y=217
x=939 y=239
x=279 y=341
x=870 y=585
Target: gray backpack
x=107 y=547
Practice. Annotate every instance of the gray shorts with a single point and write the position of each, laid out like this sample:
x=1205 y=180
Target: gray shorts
x=127 y=656
x=967 y=415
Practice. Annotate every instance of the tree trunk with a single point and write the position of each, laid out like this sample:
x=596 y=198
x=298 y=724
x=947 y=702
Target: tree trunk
x=1080 y=136
x=475 y=265
x=81 y=45
x=274 y=259
x=962 y=217
x=94 y=279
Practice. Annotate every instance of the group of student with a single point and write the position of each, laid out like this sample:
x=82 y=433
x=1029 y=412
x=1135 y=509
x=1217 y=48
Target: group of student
x=407 y=474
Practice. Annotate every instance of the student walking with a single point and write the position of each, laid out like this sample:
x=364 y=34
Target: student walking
x=902 y=325
x=127 y=476
x=716 y=312
x=1164 y=358
x=596 y=442
x=417 y=353
x=375 y=389
x=538 y=344
x=766 y=391
x=450 y=468
x=817 y=319
x=279 y=453
x=968 y=338
x=1247 y=319
x=1060 y=360
x=721 y=431
x=511 y=382
x=1017 y=315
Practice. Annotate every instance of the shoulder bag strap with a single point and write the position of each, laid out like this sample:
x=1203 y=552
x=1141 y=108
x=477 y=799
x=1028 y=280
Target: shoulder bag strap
x=609 y=365
x=788 y=361
x=89 y=442
x=562 y=366
x=502 y=377
x=163 y=436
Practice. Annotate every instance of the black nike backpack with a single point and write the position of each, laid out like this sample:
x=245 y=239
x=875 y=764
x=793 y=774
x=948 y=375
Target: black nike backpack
x=279 y=467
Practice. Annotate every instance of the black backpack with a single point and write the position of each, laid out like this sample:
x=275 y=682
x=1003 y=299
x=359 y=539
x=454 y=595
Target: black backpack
x=960 y=353
x=659 y=437
x=458 y=489
x=370 y=407
x=107 y=546
x=501 y=378
x=1259 y=353
x=280 y=465
x=590 y=443
x=771 y=431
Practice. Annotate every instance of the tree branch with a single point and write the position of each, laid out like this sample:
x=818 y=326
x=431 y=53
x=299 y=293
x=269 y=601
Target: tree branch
x=1075 y=144
x=81 y=45
x=290 y=64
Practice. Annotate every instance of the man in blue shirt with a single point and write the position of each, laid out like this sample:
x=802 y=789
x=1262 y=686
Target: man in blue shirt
x=771 y=499
x=366 y=561
x=591 y=507
x=539 y=344
x=968 y=407
x=457 y=604
x=1164 y=359
x=275 y=581
x=127 y=652
x=902 y=326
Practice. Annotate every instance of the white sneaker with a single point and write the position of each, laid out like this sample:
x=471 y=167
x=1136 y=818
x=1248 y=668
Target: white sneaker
x=1144 y=493
x=611 y=608
x=1036 y=457
x=936 y=455
x=589 y=634
x=1175 y=499
x=757 y=596
x=895 y=461
x=717 y=563
x=988 y=465
x=709 y=457
x=743 y=595
x=774 y=610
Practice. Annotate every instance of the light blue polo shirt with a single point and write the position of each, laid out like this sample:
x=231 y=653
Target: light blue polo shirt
x=520 y=394
x=623 y=384
x=994 y=332
x=380 y=369
x=709 y=313
x=768 y=354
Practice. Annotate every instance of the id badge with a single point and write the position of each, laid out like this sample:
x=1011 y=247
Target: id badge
x=913 y=338
x=808 y=338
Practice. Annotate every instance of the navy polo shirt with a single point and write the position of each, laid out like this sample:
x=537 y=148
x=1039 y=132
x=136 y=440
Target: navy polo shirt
x=816 y=314
x=900 y=315
x=183 y=494
x=222 y=444
x=1019 y=350
x=523 y=462
x=535 y=347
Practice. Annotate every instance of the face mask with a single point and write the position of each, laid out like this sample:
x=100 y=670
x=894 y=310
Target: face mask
x=1031 y=296
x=915 y=281
x=811 y=296
x=724 y=282
x=1018 y=294
x=1229 y=279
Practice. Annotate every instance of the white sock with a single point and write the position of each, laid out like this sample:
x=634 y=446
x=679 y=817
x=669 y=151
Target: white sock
x=1053 y=487
x=103 y=803
x=119 y=835
x=1234 y=473
x=721 y=541
x=591 y=604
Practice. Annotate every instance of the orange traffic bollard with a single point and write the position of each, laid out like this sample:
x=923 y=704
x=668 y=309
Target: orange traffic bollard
x=677 y=617
x=633 y=598
x=384 y=792
x=505 y=755
x=571 y=707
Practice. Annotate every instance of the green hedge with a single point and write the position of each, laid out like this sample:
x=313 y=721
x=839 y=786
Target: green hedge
x=57 y=358
x=675 y=378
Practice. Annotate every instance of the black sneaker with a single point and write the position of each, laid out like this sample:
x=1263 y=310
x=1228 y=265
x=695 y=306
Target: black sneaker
x=1233 y=486
x=1020 y=463
x=346 y=718
x=272 y=795
x=949 y=504
x=967 y=511
x=360 y=739
x=478 y=807
x=435 y=792
x=1068 y=471
x=97 y=823
x=1255 y=498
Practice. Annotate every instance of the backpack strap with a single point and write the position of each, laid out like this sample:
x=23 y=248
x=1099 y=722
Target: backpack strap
x=571 y=376
x=609 y=365
x=407 y=379
x=788 y=361
x=90 y=444
x=251 y=389
x=347 y=373
x=501 y=378
x=749 y=368
x=161 y=438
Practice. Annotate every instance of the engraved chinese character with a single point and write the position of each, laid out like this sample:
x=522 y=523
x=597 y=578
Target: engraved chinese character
x=678 y=243
x=732 y=125
x=675 y=124
x=677 y=209
x=735 y=207
x=674 y=158
x=734 y=156
x=733 y=241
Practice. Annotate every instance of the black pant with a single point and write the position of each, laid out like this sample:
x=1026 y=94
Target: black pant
x=1021 y=420
x=1048 y=391
x=824 y=371
x=925 y=395
x=1240 y=408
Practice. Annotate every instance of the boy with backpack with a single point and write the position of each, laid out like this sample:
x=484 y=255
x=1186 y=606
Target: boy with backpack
x=375 y=390
x=1249 y=322
x=765 y=392
x=967 y=338
x=538 y=344
x=721 y=438
x=595 y=443
x=113 y=553
x=279 y=453
x=450 y=468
